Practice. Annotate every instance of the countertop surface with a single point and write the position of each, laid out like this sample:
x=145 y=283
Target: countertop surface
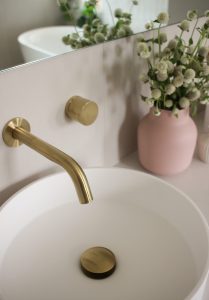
x=194 y=182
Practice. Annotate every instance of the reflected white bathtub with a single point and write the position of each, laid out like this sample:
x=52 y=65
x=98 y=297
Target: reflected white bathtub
x=44 y=42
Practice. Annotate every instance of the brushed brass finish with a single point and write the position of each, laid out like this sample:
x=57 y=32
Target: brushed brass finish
x=16 y=132
x=98 y=262
x=82 y=110
x=7 y=135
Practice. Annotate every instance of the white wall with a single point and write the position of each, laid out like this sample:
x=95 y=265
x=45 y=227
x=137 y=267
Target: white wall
x=18 y=16
x=180 y=8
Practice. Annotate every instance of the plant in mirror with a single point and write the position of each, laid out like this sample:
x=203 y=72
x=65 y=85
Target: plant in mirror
x=94 y=29
x=45 y=22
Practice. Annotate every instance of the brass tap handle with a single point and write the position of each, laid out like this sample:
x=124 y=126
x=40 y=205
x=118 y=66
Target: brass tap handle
x=82 y=110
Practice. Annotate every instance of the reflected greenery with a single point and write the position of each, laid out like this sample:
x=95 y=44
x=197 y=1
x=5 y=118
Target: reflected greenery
x=94 y=30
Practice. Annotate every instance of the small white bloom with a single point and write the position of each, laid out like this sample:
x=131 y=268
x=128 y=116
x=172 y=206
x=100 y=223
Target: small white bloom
x=191 y=15
x=150 y=102
x=162 y=37
x=203 y=51
x=156 y=93
x=206 y=13
x=172 y=44
x=163 y=18
x=204 y=101
x=118 y=13
x=149 y=25
x=170 y=66
x=162 y=66
x=162 y=76
x=143 y=50
x=184 y=102
x=144 y=78
x=178 y=70
x=168 y=103
x=140 y=38
x=194 y=94
x=189 y=75
x=175 y=112
x=184 y=60
x=190 y=49
x=156 y=111
x=205 y=70
x=166 y=51
x=170 y=89
x=178 y=80
x=184 y=25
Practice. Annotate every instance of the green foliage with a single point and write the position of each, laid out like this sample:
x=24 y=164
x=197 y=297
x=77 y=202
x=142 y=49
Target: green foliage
x=94 y=30
x=178 y=71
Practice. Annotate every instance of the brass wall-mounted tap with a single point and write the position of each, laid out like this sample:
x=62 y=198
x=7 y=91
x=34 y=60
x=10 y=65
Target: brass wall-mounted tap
x=17 y=131
x=82 y=110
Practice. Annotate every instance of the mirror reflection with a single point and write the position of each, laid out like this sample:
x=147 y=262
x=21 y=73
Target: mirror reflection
x=32 y=30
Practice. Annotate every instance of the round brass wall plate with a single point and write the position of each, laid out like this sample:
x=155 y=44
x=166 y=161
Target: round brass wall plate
x=7 y=133
x=98 y=262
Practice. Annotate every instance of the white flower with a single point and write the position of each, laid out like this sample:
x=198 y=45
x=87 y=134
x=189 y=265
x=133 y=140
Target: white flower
x=203 y=51
x=162 y=76
x=140 y=38
x=184 y=25
x=191 y=15
x=172 y=44
x=99 y=37
x=168 y=103
x=170 y=89
x=162 y=66
x=166 y=51
x=149 y=25
x=143 y=50
x=118 y=13
x=150 y=102
x=156 y=111
x=162 y=37
x=190 y=49
x=170 y=66
x=189 y=75
x=144 y=78
x=184 y=102
x=178 y=70
x=206 y=13
x=175 y=112
x=163 y=18
x=205 y=70
x=194 y=94
x=178 y=80
x=184 y=60
x=156 y=93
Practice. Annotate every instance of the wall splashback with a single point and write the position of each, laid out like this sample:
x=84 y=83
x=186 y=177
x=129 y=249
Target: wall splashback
x=39 y=92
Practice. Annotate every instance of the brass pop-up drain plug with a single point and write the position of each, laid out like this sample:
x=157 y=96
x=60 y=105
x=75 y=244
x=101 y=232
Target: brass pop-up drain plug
x=98 y=262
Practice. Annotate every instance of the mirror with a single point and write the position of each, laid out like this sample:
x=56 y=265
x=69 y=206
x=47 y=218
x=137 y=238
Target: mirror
x=24 y=15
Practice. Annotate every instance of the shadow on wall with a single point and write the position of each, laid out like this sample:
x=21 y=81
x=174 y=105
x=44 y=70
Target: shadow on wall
x=122 y=75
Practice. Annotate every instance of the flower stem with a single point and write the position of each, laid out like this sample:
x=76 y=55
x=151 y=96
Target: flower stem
x=194 y=29
x=159 y=44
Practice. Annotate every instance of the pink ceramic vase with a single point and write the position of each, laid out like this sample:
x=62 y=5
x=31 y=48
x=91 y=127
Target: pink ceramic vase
x=166 y=144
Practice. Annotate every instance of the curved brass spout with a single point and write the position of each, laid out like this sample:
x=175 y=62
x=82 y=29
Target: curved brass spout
x=17 y=131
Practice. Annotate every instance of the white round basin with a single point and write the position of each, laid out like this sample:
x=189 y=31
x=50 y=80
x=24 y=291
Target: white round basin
x=159 y=237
